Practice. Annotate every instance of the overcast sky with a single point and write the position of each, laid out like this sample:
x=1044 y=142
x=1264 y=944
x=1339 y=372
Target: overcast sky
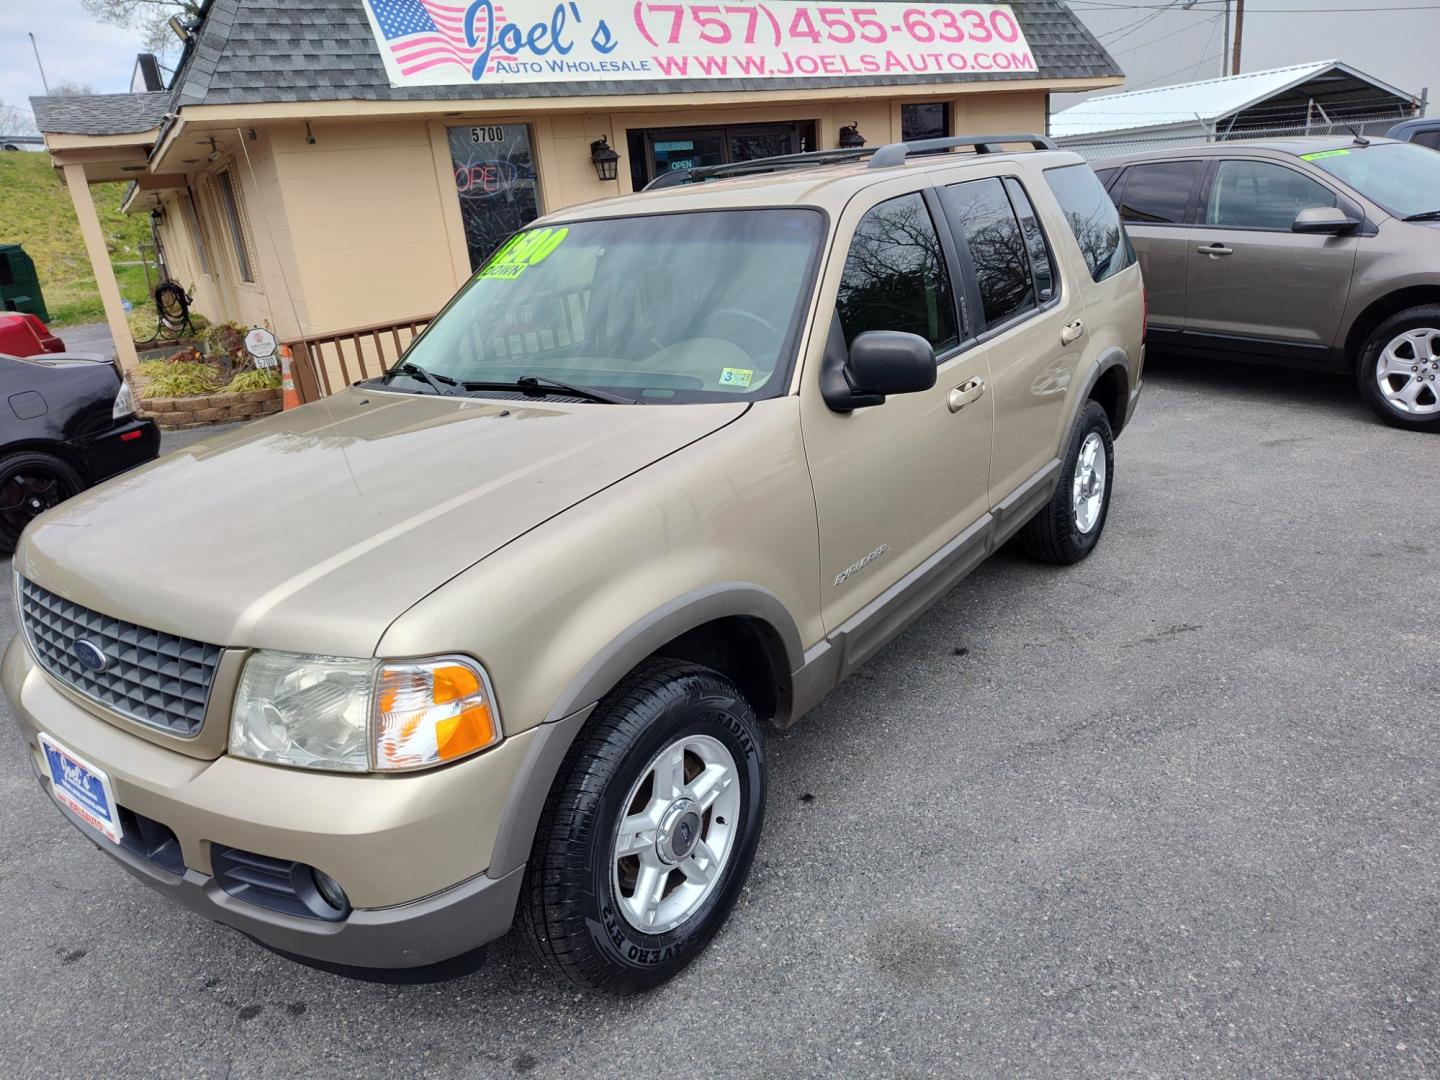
x=74 y=47
x=1157 y=43
x=1171 y=45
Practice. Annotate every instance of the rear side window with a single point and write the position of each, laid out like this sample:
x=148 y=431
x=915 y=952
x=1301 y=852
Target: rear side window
x=1093 y=219
x=982 y=211
x=1428 y=138
x=1259 y=195
x=1041 y=268
x=895 y=276
x=1159 y=194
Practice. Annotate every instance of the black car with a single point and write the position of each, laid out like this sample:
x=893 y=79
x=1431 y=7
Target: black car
x=68 y=422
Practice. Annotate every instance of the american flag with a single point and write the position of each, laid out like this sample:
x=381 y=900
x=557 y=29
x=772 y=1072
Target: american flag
x=423 y=34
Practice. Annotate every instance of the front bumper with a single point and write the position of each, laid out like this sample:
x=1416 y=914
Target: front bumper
x=127 y=444
x=411 y=851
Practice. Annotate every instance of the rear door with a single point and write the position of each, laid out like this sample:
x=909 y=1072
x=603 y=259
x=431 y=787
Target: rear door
x=1021 y=311
x=1251 y=277
x=1156 y=200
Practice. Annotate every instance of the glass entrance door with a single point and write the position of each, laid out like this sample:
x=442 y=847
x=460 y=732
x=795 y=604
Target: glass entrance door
x=495 y=182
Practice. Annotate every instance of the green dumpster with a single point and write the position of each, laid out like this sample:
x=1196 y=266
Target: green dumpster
x=19 y=285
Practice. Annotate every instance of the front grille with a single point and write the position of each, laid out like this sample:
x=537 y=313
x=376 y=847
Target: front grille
x=153 y=678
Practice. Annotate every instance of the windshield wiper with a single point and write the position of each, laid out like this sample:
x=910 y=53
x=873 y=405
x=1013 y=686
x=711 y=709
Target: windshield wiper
x=1425 y=215
x=539 y=384
x=409 y=367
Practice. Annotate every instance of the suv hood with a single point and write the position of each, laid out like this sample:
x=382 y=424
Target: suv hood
x=313 y=530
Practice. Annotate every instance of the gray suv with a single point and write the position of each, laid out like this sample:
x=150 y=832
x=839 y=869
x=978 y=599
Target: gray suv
x=1317 y=253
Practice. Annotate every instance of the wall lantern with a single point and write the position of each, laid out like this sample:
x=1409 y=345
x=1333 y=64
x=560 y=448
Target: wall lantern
x=604 y=158
x=850 y=137
x=157 y=217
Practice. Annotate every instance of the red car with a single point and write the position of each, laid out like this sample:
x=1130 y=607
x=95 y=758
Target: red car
x=22 y=334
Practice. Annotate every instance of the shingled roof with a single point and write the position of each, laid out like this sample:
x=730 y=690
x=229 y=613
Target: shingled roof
x=253 y=51
x=100 y=114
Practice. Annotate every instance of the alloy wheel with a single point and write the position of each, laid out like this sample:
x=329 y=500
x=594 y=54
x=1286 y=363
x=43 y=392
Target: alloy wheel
x=1408 y=372
x=678 y=831
x=1087 y=489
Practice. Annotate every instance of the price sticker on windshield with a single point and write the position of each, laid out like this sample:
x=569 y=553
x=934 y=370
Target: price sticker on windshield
x=522 y=251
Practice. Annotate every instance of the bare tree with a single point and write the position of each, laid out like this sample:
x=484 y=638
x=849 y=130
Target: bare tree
x=147 y=16
x=16 y=121
x=67 y=88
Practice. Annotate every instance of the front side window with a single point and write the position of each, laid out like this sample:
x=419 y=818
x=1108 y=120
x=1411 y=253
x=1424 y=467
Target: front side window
x=1260 y=195
x=1159 y=194
x=230 y=202
x=895 y=276
x=700 y=306
x=1093 y=219
x=998 y=249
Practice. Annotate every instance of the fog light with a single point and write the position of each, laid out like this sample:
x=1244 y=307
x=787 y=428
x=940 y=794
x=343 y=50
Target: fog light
x=330 y=891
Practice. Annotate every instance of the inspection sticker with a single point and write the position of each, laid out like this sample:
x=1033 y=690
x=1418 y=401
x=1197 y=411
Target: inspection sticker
x=736 y=376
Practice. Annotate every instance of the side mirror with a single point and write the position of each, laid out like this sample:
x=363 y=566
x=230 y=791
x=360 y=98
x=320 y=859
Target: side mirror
x=1324 y=219
x=890 y=362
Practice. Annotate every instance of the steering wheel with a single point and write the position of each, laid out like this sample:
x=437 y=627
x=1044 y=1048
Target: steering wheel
x=765 y=326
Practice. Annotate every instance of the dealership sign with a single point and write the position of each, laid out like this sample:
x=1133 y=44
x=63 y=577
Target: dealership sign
x=435 y=43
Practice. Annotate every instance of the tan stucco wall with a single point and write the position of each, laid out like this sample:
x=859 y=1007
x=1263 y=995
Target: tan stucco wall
x=362 y=226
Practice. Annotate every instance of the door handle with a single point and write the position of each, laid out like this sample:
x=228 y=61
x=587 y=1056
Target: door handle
x=1215 y=250
x=1071 y=332
x=966 y=394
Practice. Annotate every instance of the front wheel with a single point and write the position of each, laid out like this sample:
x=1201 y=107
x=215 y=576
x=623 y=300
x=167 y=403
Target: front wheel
x=1068 y=527
x=1399 y=369
x=648 y=834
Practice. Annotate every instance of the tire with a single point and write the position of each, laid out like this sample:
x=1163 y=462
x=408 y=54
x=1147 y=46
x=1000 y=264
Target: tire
x=31 y=482
x=582 y=898
x=1412 y=368
x=1066 y=530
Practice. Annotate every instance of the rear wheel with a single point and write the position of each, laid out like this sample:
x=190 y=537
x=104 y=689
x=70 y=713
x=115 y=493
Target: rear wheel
x=1399 y=369
x=1069 y=526
x=31 y=482
x=648 y=835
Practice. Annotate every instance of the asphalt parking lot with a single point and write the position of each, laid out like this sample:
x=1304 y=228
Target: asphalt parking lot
x=1171 y=812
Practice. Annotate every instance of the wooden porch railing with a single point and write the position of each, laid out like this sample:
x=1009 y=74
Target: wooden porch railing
x=324 y=363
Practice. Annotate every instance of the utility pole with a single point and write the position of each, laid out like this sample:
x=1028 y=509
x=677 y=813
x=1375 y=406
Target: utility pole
x=1225 y=49
x=1239 y=34
x=43 y=81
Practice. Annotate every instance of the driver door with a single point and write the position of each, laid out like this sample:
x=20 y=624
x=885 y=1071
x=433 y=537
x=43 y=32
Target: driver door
x=1250 y=276
x=895 y=482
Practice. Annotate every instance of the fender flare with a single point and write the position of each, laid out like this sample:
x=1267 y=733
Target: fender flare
x=1112 y=357
x=553 y=737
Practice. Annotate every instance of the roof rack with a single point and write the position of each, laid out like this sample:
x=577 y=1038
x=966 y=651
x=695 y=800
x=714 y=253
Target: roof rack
x=881 y=157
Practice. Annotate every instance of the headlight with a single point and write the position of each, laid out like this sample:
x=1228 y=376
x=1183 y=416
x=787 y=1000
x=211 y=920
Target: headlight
x=327 y=712
x=124 y=402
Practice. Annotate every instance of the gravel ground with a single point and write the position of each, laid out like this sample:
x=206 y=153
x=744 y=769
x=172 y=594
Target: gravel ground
x=1171 y=812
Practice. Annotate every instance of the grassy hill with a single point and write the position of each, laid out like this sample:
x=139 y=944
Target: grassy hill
x=35 y=211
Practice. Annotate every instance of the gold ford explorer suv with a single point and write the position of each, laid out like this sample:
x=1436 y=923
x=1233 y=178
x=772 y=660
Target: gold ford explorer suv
x=496 y=634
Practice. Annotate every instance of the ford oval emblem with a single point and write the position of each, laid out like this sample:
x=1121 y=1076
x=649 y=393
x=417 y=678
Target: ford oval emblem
x=90 y=655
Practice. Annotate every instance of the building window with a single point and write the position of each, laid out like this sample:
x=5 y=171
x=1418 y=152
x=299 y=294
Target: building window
x=230 y=202
x=930 y=120
x=495 y=181
x=197 y=234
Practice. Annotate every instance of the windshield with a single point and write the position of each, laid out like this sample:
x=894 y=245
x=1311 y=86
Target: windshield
x=698 y=306
x=1401 y=177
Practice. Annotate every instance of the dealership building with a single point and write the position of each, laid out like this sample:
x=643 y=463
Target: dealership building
x=336 y=169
